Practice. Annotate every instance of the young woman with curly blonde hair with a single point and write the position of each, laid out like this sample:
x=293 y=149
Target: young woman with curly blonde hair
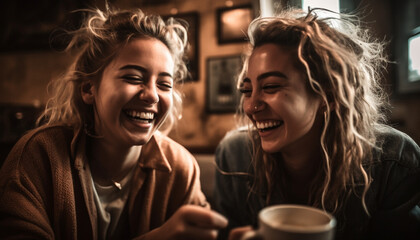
x=100 y=167
x=317 y=131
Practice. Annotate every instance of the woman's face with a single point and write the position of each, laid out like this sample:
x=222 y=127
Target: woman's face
x=135 y=93
x=277 y=101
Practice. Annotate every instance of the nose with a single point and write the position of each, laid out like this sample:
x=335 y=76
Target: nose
x=149 y=93
x=253 y=104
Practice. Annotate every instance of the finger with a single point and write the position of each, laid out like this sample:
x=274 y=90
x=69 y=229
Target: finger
x=237 y=233
x=203 y=217
x=194 y=233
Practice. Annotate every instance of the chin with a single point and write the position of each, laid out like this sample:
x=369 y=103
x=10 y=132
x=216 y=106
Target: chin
x=270 y=148
x=138 y=140
x=142 y=141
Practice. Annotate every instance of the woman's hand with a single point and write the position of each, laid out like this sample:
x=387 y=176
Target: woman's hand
x=237 y=233
x=190 y=222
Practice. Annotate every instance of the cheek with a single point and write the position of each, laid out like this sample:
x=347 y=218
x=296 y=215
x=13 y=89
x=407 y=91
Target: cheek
x=109 y=100
x=306 y=112
x=166 y=101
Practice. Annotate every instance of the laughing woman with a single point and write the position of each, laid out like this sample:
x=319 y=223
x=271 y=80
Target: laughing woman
x=312 y=95
x=99 y=166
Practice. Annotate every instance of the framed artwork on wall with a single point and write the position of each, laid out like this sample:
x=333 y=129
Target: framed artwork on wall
x=193 y=20
x=221 y=92
x=232 y=23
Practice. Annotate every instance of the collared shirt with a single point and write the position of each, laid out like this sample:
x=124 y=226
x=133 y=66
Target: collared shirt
x=44 y=192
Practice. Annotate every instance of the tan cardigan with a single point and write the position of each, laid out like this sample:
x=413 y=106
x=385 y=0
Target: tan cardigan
x=44 y=190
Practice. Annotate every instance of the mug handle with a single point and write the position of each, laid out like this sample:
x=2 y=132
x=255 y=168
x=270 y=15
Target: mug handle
x=252 y=235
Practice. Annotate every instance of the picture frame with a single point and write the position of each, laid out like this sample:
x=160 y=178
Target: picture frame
x=222 y=95
x=232 y=23
x=193 y=58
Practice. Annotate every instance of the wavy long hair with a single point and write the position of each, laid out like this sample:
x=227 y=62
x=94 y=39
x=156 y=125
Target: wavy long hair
x=342 y=65
x=94 y=45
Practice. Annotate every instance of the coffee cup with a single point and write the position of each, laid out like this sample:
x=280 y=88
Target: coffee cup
x=293 y=222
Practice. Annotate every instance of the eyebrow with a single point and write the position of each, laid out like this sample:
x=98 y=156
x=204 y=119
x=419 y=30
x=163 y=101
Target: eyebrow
x=266 y=75
x=272 y=74
x=142 y=69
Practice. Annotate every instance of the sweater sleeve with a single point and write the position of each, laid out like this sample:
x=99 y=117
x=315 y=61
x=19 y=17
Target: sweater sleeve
x=23 y=198
x=194 y=194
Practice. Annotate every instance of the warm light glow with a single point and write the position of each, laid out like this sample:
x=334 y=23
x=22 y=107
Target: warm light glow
x=19 y=115
x=229 y=3
x=174 y=11
x=236 y=20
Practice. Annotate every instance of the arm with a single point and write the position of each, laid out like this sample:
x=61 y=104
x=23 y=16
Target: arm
x=398 y=182
x=194 y=194
x=23 y=198
x=233 y=155
x=187 y=214
x=399 y=215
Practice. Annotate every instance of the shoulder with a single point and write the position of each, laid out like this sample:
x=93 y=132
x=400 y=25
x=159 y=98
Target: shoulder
x=44 y=137
x=234 y=152
x=395 y=172
x=175 y=153
x=397 y=147
x=34 y=152
x=237 y=139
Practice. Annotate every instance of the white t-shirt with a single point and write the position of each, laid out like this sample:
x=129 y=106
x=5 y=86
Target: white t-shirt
x=110 y=202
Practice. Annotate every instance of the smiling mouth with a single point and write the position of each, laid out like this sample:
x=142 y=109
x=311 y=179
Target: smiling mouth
x=143 y=117
x=266 y=126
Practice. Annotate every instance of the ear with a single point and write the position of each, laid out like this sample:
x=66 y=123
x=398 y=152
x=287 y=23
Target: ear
x=87 y=92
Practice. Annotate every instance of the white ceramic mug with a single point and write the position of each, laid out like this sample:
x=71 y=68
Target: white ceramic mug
x=293 y=222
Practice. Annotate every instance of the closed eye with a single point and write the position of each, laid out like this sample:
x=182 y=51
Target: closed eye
x=245 y=91
x=271 y=88
x=165 y=85
x=133 y=79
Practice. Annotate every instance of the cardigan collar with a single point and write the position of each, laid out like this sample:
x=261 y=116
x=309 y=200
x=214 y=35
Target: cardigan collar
x=151 y=154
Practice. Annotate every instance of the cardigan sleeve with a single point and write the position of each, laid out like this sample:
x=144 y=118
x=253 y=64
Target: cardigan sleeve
x=168 y=178
x=24 y=184
x=187 y=176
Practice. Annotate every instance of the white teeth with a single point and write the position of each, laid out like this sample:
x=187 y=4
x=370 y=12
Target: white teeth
x=264 y=125
x=142 y=115
x=146 y=115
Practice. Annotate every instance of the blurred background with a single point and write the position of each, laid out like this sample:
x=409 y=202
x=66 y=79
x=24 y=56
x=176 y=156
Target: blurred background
x=28 y=63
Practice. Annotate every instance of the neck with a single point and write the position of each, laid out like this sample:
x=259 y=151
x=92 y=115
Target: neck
x=110 y=163
x=302 y=158
x=300 y=169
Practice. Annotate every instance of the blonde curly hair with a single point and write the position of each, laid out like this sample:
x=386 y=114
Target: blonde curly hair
x=342 y=66
x=96 y=42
